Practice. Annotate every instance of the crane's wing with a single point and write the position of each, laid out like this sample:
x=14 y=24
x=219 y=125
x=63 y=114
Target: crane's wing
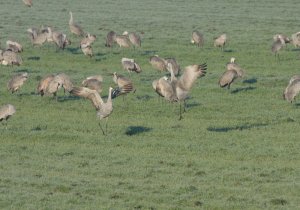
x=292 y=90
x=92 y=95
x=190 y=75
x=122 y=90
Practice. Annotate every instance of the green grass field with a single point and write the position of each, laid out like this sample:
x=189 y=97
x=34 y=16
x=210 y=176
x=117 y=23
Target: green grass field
x=234 y=149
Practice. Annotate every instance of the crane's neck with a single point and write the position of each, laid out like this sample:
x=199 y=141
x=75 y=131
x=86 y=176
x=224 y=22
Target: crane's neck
x=71 y=18
x=109 y=95
x=173 y=78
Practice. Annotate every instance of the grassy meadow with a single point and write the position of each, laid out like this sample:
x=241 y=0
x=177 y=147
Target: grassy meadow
x=233 y=149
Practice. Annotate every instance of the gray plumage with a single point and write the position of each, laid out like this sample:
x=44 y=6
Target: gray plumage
x=74 y=27
x=233 y=71
x=6 y=111
x=134 y=38
x=285 y=39
x=87 y=40
x=16 y=82
x=104 y=109
x=197 y=38
x=14 y=46
x=87 y=51
x=293 y=89
x=172 y=63
x=221 y=41
x=60 y=39
x=277 y=46
x=38 y=37
x=110 y=39
x=130 y=65
x=177 y=89
x=158 y=63
x=93 y=83
x=123 y=41
x=59 y=81
x=125 y=85
x=9 y=57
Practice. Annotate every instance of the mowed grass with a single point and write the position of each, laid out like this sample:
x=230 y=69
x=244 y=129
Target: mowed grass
x=234 y=149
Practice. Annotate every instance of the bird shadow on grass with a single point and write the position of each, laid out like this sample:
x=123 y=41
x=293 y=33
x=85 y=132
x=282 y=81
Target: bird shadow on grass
x=66 y=98
x=134 y=130
x=295 y=49
x=149 y=52
x=228 y=50
x=238 y=127
x=193 y=104
x=144 y=97
x=73 y=50
x=237 y=90
x=250 y=81
x=34 y=58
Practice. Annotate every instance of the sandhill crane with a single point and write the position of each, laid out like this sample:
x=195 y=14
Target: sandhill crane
x=15 y=83
x=38 y=37
x=178 y=89
x=296 y=39
x=292 y=89
x=74 y=27
x=9 y=57
x=172 y=63
x=283 y=37
x=123 y=41
x=134 y=38
x=6 y=111
x=28 y=3
x=60 y=39
x=44 y=83
x=233 y=71
x=59 y=81
x=87 y=40
x=87 y=51
x=93 y=82
x=130 y=65
x=158 y=63
x=197 y=38
x=13 y=46
x=277 y=46
x=104 y=109
x=110 y=39
x=125 y=85
x=221 y=41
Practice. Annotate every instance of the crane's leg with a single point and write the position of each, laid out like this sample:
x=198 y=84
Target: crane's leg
x=101 y=128
x=184 y=106
x=106 y=125
x=180 y=111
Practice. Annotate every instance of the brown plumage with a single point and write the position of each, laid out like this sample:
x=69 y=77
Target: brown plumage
x=44 y=83
x=130 y=65
x=134 y=38
x=13 y=46
x=178 y=89
x=110 y=39
x=158 y=63
x=221 y=41
x=74 y=27
x=123 y=41
x=16 y=82
x=60 y=39
x=87 y=40
x=59 y=81
x=6 y=111
x=125 y=85
x=233 y=71
x=172 y=63
x=104 y=109
x=93 y=83
x=296 y=39
x=197 y=38
x=293 y=89
x=9 y=57
x=28 y=3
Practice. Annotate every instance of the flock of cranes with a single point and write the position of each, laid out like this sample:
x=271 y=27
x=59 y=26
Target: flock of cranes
x=174 y=88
